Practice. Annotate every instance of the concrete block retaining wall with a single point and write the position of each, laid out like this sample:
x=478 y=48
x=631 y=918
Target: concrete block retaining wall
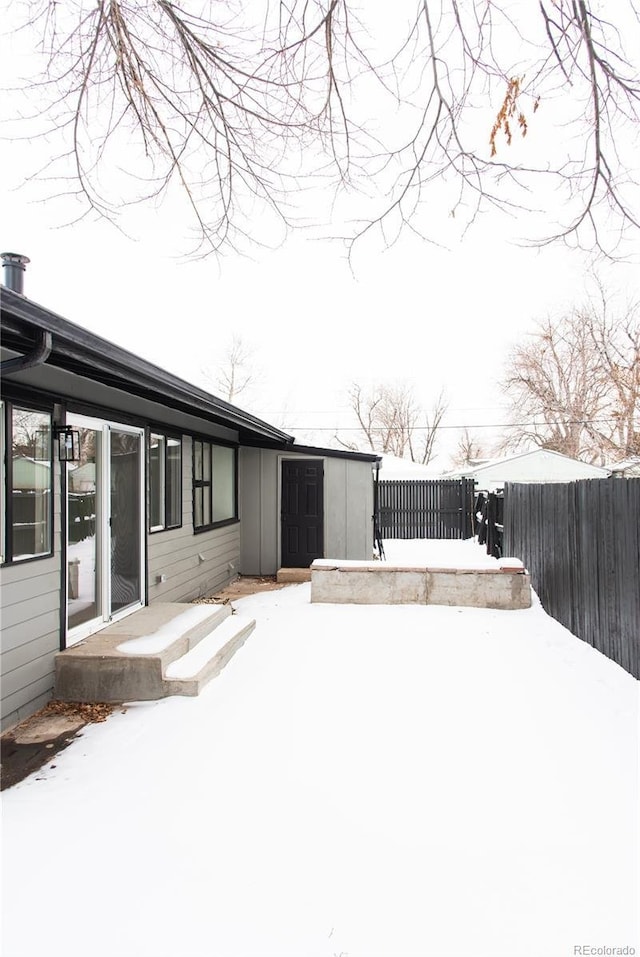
x=507 y=586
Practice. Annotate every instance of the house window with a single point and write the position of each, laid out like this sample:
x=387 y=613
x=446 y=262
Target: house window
x=165 y=481
x=27 y=483
x=214 y=485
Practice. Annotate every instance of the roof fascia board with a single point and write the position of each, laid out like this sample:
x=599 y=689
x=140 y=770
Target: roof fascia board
x=73 y=341
x=315 y=450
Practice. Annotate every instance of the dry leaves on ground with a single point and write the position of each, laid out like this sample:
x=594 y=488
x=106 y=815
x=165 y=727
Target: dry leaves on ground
x=92 y=712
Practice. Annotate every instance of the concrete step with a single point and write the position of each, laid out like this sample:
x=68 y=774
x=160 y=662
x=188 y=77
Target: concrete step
x=188 y=674
x=293 y=575
x=174 y=635
x=129 y=659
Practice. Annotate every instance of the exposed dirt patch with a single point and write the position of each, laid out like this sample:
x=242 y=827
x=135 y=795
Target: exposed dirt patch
x=36 y=740
x=241 y=587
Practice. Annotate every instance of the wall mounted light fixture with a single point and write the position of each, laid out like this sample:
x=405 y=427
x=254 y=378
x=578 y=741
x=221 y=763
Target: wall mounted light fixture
x=68 y=440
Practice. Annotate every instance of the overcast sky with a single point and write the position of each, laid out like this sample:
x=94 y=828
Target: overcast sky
x=435 y=317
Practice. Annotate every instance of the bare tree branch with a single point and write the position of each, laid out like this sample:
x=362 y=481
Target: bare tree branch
x=420 y=106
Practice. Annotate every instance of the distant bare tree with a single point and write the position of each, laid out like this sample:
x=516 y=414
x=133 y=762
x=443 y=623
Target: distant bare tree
x=616 y=340
x=391 y=421
x=235 y=372
x=235 y=101
x=29 y=434
x=574 y=386
x=426 y=440
x=469 y=449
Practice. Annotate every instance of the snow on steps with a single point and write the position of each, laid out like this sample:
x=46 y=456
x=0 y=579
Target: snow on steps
x=175 y=635
x=160 y=650
x=188 y=674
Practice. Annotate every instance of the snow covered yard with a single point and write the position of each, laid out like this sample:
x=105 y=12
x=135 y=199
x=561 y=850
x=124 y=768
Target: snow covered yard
x=361 y=781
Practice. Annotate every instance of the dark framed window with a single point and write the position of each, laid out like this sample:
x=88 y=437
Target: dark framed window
x=27 y=483
x=215 y=495
x=165 y=481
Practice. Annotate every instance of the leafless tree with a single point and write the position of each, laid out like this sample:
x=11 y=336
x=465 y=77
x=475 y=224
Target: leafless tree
x=390 y=420
x=235 y=372
x=30 y=434
x=428 y=433
x=616 y=339
x=469 y=449
x=574 y=386
x=238 y=104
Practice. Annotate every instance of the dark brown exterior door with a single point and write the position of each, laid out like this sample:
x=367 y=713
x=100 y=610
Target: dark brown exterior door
x=302 y=512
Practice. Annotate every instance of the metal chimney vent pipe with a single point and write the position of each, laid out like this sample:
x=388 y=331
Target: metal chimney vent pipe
x=14 y=265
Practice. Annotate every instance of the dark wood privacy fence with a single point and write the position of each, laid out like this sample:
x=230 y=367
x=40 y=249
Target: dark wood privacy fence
x=426 y=509
x=581 y=545
x=489 y=521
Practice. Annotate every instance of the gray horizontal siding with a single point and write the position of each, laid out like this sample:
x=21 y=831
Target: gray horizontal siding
x=13 y=658
x=14 y=578
x=176 y=553
x=187 y=575
x=34 y=669
x=27 y=701
x=30 y=601
x=30 y=596
x=24 y=632
x=39 y=604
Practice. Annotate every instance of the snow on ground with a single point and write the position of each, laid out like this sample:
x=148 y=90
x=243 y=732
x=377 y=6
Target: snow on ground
x=438 y=552
x=362 y=781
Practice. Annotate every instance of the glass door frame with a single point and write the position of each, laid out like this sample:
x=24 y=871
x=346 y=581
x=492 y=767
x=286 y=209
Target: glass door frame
x=103 y=527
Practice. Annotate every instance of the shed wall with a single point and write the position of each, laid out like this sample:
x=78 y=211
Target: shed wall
x=348 y=509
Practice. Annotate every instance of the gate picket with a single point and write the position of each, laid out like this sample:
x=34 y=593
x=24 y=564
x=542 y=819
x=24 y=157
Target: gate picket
x=437 y=508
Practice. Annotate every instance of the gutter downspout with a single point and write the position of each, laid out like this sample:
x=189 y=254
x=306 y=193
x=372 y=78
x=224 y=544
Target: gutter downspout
x=38 y=356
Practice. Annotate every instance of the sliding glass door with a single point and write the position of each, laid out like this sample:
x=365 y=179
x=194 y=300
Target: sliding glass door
x=105 y=514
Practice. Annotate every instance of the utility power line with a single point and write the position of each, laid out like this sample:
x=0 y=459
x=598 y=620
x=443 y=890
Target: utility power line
x=471 y=426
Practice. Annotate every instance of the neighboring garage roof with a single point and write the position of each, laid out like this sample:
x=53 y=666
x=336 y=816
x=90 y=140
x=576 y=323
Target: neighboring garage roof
x=535 y=466
x=76 y=350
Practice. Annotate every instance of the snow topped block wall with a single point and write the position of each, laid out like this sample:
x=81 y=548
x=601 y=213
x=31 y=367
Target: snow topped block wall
x=507 y=587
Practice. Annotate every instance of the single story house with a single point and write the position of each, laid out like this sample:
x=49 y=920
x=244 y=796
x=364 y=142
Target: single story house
x=124 y=486
x=536 y=466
